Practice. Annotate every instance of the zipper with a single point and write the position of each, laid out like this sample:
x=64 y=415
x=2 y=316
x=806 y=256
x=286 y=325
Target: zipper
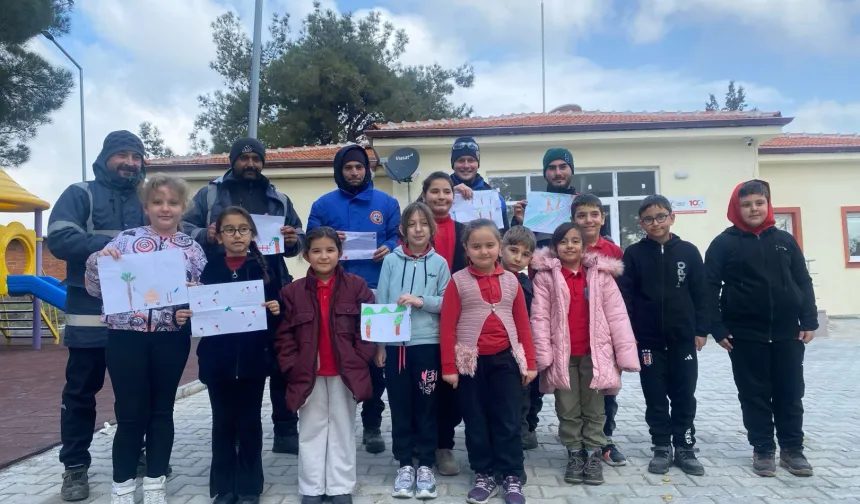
x=663 y=297
x=769 y=291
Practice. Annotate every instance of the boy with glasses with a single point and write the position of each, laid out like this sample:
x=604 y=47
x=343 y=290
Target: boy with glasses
x=664 y=288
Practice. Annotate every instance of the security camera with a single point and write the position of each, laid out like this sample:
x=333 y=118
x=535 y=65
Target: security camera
x=749 y=141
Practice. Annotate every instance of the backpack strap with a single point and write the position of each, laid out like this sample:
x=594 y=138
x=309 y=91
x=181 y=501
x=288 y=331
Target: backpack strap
x=211 y=197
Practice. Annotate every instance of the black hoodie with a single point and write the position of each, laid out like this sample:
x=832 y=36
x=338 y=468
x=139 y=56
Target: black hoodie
x=665 y=292
x=338 y=168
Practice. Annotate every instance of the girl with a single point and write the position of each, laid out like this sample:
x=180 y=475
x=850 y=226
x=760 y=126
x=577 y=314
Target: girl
x=582 y=337
x=147 y=350
x=438 y=193
x=487 y=352
x=234 y=366
x=414 y=275
x=321 y=352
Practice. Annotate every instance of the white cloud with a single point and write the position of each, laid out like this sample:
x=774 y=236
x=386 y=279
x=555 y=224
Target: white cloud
x=826 y=116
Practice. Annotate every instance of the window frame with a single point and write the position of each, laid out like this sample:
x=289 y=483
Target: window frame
x=845 y=211
x=796 y=224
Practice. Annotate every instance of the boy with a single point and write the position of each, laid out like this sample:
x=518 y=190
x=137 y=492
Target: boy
x=518 y=246
x=664 y=289
x=587 y=212
x=765 y=316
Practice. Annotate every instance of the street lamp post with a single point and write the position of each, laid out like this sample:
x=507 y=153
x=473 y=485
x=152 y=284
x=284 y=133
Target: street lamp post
x=253 y=112
x=50 y=37
x=542 y=60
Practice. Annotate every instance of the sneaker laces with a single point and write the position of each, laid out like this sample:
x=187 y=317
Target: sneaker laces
x=425 y=474
x=575 y=460
x=662 y=452
x=593 y=463
x=404 y=476
x=482 y=482
x=513 y=485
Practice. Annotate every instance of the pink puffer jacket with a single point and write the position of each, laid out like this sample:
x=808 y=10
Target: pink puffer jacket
x=613 y=347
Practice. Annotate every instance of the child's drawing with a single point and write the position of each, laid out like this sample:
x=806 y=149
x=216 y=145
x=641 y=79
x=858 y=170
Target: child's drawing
x=137 y=282
x=269 y=233
x=546 y=211
x=226 y=308
x=386 y=323
x=483 y=205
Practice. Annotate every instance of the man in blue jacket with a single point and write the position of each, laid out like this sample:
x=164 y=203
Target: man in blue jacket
x=356 y=206
x=83 y=221
x=465 y=161
x=244 y=185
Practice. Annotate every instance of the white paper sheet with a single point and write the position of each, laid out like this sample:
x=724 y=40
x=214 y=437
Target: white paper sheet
x=546 y=211
x=359 y=246
x=143 y=281
x=269 y=239
x=386 y=323
x=227 y=308
x=483 y=205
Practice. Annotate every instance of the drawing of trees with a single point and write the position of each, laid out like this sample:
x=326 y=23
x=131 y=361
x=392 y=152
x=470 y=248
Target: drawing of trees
x=367 y=325
x=128 y=277
x=397 y=321
x=277 y=241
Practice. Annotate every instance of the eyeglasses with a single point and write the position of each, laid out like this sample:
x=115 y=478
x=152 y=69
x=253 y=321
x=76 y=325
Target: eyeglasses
x=466 y=145
x=230 y=231
x=661 y=218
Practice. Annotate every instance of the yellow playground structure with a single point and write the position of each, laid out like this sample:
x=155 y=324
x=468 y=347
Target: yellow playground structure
x=30 y=285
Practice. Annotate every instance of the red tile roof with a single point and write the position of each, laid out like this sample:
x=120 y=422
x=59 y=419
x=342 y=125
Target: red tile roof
x=811 y=143
x=306 y=156
x=582 y=121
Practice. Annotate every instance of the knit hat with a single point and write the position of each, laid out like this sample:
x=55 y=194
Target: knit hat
x=119 y=141
x=555 y=154
x=245 y=145
x=465 y=146
x=348 y=153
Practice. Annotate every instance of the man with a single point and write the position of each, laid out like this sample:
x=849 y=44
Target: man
x=465 y=161
x=558 y=173
x=244 y=185
x=84 y=219
x=356 y=206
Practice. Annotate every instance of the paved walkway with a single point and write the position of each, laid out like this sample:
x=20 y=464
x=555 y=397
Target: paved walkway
x=832 y=428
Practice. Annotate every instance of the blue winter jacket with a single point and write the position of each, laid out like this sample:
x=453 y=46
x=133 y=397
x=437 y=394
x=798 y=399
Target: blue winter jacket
x=479 y=184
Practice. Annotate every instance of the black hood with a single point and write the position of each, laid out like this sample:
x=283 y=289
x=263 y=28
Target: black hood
x=119 y=141
x=353 y=152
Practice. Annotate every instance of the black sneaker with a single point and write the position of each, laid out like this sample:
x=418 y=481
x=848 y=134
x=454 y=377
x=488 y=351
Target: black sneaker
x=795 y=461
x=613 y=456
x=286 y=444
x=341 y=499
x=575 y=466
x=484 y=490
x=662 y=460
x=372 y=441
x=76 y=484
x=593 y=472
x=764 y=464
x=530 y=441
x=312 y=499
x=227 y=498
x=685 y=458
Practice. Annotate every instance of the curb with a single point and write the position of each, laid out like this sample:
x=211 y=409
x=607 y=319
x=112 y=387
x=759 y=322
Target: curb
x=189 y=389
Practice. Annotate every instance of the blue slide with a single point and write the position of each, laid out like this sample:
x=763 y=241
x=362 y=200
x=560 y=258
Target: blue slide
x=46 y=288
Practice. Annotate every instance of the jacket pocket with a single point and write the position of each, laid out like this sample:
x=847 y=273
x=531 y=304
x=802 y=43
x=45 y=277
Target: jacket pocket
x=302 y=326
x=346 y=316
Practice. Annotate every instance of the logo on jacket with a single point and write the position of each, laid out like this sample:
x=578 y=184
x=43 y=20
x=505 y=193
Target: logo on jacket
x=647 y=359
x=428 y=381
x=376 y=217
x=682 y=273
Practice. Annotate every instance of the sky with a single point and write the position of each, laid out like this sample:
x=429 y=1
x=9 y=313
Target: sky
x=149 y=60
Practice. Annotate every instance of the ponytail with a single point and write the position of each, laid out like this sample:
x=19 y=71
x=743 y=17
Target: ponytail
x=255 y=253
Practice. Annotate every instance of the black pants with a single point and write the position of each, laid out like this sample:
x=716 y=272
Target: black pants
x=610 y=404
x=448 y=415
x=670 y=374
x=236 y=406
x=491 y=405
x=85 y=376
x=532 y=404
x=285 y=422
x=145 y=369
x=371 y=409
x=412 y=399
x=769 y=377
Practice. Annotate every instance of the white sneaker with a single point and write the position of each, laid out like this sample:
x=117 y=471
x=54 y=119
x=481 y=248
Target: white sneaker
x=404 y=483
x=154 y=490
x=123 y=493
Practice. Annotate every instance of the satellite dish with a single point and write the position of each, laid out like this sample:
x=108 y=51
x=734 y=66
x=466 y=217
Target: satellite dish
x=401 y=165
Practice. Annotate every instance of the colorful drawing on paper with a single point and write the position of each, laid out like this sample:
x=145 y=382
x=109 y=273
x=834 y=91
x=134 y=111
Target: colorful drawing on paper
x=483 y=205
x=546 y=211
x=144 y=281
x=227 y=308
x=269 y=239
x=386 y=323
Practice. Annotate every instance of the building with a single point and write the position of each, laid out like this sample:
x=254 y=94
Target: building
x=695 y=158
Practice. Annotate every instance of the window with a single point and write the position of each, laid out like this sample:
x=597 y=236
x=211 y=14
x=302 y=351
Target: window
x=620 y=191
x=851 y=236
x=788 y=219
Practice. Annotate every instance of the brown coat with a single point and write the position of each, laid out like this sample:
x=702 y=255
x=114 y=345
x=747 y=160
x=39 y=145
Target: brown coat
x=297 y=340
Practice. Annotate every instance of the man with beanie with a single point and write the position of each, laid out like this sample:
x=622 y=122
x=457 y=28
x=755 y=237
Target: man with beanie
x=465 y=161
x=356 y=206
x=558 y=173
x=244 y=185
x=83 y=221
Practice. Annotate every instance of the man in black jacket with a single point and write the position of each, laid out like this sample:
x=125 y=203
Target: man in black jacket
x=84 y=219
x=765 y=316
x=664 y=288
x=558 y=173
x=244 y=185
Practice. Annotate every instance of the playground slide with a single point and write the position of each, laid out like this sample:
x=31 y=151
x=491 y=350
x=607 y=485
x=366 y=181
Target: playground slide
x=48 y=289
